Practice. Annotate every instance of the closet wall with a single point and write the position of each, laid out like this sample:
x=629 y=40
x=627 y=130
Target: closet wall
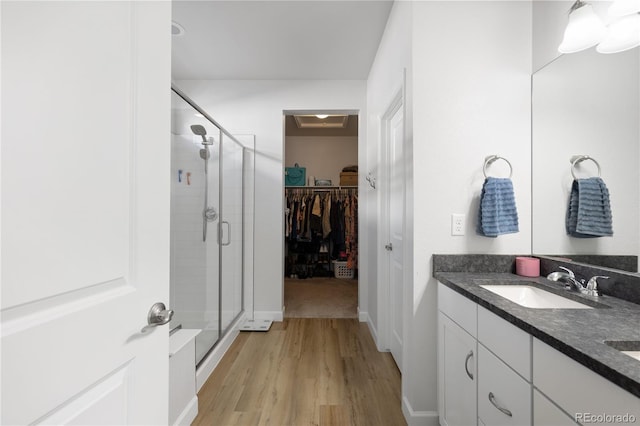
x=324 y=152
x=323 y=156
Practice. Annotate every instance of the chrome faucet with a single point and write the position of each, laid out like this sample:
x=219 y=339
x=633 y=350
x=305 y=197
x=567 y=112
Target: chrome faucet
x=572 y=283
x=568 y=278
x=592 y=285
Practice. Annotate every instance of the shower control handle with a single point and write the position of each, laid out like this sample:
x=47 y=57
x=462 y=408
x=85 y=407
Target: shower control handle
x=158 y=315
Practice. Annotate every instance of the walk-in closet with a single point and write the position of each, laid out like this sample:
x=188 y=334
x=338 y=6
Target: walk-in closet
x=321 y=216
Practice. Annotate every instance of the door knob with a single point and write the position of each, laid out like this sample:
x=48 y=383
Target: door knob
x=158 y=315
x=388 y=247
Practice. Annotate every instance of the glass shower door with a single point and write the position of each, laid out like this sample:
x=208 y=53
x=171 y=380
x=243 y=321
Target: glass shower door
x=195 y=253
x=231 y=230
x=212 y=199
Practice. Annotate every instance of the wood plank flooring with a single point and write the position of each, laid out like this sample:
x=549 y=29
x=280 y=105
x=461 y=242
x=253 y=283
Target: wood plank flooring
x=304 y=371
x=320 y=297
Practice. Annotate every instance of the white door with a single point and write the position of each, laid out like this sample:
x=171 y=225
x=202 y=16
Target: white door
x=395 y=196
x=85 y=211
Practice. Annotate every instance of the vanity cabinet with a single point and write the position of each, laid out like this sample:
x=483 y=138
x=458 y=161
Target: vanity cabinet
x=491 y=372
x=476 y=382
x=504 y=371
x=579 y=392
x=457 y=359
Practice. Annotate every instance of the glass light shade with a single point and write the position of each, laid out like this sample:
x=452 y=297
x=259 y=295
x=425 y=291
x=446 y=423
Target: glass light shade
x=624 y=7
x=584 y=30
x=622 y=34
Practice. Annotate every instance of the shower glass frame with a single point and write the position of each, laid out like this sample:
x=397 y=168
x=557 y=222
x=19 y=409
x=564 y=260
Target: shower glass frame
x=233 y=158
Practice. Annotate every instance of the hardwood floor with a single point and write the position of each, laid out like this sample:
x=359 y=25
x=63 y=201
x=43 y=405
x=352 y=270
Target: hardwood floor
x=303 y=372
x=320 y=297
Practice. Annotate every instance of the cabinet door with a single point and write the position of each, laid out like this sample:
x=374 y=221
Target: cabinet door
x=545 y=413
x=457 y=374
x=580 y=392
x=504 y=398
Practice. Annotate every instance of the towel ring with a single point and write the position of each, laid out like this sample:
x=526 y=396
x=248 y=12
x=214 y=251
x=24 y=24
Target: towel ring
x=577 y=159
x=492 y=158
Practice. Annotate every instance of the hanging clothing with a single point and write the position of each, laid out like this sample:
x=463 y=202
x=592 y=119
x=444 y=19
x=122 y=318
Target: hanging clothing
x=326 y=217
x=324 y=220
x=352 y=232
x=315 y=218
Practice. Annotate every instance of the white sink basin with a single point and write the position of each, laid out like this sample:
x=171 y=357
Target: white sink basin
x=533 y=297
x=630 y=348
x=633 y=354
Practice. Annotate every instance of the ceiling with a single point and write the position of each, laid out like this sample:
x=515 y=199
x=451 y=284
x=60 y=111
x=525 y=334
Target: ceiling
x=277 y=40
x=350 y=128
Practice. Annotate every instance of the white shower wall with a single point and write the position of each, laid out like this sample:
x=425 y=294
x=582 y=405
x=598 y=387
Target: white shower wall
x=194 y=263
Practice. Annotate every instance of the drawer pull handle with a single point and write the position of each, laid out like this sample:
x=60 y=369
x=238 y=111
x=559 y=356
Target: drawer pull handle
x=495 y=404
x=466 y=364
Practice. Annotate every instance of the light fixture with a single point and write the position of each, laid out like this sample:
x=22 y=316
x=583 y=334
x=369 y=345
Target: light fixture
x=197 y=114
x=624 y=7
x=584 y=30
x=327 y=121
x=622 y=34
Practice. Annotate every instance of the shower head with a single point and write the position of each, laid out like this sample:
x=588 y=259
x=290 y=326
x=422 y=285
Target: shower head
x=198 y=129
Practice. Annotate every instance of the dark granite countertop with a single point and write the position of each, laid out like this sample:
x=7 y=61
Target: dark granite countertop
x=578 y=333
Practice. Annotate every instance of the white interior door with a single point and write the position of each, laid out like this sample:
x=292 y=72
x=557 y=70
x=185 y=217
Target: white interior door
x=85 y=211
x=396 y=231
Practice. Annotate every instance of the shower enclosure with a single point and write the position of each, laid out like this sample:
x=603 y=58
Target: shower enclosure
x=211 y=223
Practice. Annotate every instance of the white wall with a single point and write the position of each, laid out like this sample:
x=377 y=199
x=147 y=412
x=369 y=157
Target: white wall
x=471 y=68
x=385 y=80
x=323 y=156
x=256 y=107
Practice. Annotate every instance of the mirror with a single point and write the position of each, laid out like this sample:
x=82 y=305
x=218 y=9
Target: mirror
x=587 y=103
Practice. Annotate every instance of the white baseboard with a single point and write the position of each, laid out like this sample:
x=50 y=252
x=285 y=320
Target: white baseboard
x=418 y=418
x=372 y=330
x=363 y=316
x=189 y=414
x=277 y=316
x=211 y=361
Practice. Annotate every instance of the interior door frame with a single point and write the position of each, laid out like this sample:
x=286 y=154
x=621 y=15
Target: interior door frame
x=361 y=149
x=397 y=102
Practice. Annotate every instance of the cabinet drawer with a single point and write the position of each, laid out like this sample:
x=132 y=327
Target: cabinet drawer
x=508 y=342
x=578 y=390
x=500 y=384
x=460 y=309
x=545 y=413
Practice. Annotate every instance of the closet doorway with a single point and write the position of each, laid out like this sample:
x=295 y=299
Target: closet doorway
x=321 y=214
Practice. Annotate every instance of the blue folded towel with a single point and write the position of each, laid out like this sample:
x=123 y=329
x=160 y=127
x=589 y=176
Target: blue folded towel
x=498 y=214
x=589 y=211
